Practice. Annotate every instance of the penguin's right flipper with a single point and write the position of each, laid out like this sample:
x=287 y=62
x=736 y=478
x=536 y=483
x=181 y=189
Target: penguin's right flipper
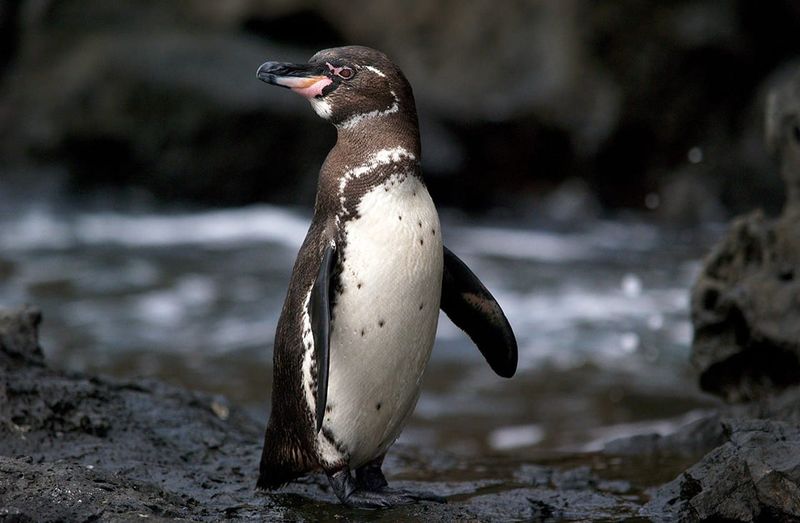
x=469 y=305
x=320 y=316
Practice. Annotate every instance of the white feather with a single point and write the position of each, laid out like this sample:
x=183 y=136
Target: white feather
x=308 y=353
x=376 y=71
x=322 y=108
x=391 y=277
x=360 y=117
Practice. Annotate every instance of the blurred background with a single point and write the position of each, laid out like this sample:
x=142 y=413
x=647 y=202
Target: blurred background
x=584 y=155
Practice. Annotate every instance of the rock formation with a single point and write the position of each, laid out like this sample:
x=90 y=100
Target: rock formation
x=746 y=301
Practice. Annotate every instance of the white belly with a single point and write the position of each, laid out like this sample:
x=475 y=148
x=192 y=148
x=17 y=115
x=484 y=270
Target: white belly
x=384 y=323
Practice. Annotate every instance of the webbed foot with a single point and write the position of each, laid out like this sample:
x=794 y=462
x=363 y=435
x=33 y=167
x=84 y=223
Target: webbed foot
x=371 y=492
x=388 y=497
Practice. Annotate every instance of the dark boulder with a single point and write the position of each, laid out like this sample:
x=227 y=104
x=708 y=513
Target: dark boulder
x=745 y=306
x=691 y=441
x=754 y=476
x=746 y=464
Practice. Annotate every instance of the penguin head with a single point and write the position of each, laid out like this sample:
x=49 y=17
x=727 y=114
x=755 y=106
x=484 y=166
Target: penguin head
x=345 y=85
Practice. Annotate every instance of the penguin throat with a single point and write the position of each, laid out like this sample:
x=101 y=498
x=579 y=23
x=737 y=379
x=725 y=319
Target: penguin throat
x=322 y=108
x=403 y=160
x=359 y=118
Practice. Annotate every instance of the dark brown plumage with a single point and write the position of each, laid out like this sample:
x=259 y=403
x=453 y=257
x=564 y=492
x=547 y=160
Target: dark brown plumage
x=362 y=93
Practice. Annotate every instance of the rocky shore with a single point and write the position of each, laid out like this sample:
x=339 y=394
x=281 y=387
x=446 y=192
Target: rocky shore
x=78 y=448
x=75 y=447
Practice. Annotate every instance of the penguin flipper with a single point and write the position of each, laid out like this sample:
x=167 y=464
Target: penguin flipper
x=320 y=316
x=473 y=309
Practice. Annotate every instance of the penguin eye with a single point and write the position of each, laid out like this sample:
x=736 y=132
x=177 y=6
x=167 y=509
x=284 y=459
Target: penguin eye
x=345 y=72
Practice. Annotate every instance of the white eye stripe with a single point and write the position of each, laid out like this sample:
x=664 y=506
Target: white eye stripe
x=376 y=71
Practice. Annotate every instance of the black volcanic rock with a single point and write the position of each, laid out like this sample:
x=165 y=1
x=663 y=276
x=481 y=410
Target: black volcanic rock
x=745 y=306
x=753 y=476
x=75 y=447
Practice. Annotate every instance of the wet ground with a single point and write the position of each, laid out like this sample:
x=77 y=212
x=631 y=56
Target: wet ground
x=77 y=447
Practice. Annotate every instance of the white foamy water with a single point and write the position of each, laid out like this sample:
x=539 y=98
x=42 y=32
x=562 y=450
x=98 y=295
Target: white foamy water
x=546 y=246
x=140 y=292
x=565 y=319
x=40 y=229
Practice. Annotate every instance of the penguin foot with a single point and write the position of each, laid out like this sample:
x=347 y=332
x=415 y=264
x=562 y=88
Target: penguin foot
x=388 y=497
x=370 y=477
x=349 y=493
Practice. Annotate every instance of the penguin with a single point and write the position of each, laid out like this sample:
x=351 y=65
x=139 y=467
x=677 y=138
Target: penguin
x=360 y=316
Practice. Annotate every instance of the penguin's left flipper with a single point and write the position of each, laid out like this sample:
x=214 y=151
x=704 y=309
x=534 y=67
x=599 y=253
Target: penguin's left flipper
x=320 y=316
x=474 y=310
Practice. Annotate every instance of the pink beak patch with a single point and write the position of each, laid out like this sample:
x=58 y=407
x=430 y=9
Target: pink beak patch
x=305 y=87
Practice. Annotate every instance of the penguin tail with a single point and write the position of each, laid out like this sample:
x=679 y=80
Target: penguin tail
x=282 y=460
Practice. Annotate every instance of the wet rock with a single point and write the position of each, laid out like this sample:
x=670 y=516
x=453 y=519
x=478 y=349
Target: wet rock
x=754 y=476
x=75 y=447
x=557 y=495
x=550 y=505
x=71 y=492
x=82 y=443
x=745 y=310
x=19 y=336
x=692 y=440
x=745 y=464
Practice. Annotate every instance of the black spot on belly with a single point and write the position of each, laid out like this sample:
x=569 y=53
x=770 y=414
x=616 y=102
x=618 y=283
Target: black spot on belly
x=433 y=232
x=420 y=224
x=378 y=406
x=380 y=323
x=421 y=305
x=358 y=286
x=400 y=218
x=421 y=241
x=328 y=409
x=362 y=332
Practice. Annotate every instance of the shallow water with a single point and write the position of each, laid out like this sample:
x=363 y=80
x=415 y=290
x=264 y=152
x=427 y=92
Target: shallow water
x=600 y=311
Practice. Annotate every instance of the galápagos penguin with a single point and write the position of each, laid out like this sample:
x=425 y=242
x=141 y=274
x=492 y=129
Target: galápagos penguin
x=359 y=320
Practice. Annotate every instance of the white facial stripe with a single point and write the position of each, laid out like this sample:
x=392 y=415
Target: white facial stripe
x=382 y=157
x=321 y=107
x=308 y=354
x=358 y=118
x=375 y=70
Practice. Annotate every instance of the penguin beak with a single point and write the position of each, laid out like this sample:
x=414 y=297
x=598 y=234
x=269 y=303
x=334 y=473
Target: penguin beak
x=304 y=79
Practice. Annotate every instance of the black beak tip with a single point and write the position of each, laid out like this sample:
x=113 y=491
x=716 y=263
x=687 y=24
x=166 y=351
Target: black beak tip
x=263 y=73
